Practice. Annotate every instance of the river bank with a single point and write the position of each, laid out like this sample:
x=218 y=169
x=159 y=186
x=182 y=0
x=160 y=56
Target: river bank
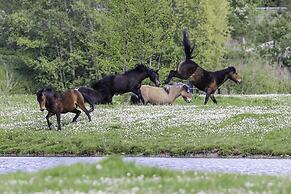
x=116 y=176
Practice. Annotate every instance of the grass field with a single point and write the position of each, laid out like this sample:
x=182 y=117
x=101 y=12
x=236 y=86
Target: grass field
x=237 y=126
x=115 y=176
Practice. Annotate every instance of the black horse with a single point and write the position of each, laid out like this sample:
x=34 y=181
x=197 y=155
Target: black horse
x=108 y=86
x=203 y=80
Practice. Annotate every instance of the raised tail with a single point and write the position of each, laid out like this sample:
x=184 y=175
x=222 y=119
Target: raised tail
x=187 y=45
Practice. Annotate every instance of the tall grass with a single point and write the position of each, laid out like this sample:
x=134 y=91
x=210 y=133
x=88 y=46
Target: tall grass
x=259 y=76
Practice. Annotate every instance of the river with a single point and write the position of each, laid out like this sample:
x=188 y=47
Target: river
x=245 y=166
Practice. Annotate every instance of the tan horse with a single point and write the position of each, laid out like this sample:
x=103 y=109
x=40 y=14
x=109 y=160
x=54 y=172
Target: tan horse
x=61 y=102
x=160 y=96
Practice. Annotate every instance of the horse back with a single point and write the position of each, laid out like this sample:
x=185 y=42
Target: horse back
x=201 y=79
x=154 y=95
x=121 y=84
x=187 y=68
x=70 y=99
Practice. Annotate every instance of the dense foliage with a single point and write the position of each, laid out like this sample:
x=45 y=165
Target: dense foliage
x=69 y=43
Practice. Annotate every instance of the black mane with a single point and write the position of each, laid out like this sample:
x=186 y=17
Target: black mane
x=138 y=68
x=49 y=92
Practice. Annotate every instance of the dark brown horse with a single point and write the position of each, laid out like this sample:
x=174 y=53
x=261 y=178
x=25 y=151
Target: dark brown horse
x=203 y=80
x=129 y=81
x=56 y=103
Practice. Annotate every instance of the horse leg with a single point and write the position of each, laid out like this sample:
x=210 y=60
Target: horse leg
x=206 y=98
x=77 y=112
x=107 y=99
x=139 y=95
x=213 y=99
x=173 y=74
x=59 y=120
x=49 y=114
x=83 y=108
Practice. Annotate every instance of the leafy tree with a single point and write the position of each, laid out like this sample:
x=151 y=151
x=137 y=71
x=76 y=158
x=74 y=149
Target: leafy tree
x=208 y=26
x=52 y=38
x=137 y=32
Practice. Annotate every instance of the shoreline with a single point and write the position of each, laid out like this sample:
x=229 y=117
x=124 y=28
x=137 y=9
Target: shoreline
x=208 y=156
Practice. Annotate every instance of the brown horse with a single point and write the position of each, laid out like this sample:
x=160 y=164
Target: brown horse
x=56 y=103
x=203 y=80
x=166 y=95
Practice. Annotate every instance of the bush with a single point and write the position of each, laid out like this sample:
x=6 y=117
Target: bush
x=259 y=77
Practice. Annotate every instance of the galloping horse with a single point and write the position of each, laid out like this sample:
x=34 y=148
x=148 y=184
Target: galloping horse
x=129 y=81
x=56 y=103
x=204 y=80
x=160 y=96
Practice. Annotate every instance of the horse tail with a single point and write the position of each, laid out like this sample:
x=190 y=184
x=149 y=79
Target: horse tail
x=187 y=45
x=87 y=99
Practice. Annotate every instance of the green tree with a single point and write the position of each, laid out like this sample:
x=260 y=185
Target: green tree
x=207 y=23
x=137 y=32
x=52 y=38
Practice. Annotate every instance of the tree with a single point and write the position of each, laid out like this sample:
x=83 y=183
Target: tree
x=137 y=32
x=52 y=39
x=208 y=26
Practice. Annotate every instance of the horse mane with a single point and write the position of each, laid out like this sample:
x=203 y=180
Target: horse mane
x=187 y=45
x=231 y=68
x=51 y=92
x=220 y=74
x=139 y=68
x=167 y=89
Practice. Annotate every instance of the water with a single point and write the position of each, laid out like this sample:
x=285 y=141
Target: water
x=245 y=166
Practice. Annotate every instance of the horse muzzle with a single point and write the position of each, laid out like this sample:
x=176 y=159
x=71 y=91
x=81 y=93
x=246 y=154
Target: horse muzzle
x=42 y=109
x=238 y=81
x=188 y=100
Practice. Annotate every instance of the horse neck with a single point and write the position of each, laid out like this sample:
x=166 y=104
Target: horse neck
x=221 y=76
x=141 y=76
x=51 y=97
x=174 y=93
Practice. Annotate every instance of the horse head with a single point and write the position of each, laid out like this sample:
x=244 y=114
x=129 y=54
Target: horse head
x=185 y=93
x=154 y=76
x=233 y=75
x=41 y=99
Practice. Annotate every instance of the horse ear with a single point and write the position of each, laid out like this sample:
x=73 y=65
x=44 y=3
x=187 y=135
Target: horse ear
x=185 y=87
x=232 y=68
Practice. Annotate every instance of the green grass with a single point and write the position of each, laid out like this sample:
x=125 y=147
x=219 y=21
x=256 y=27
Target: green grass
x=237 y=126
x=112 y=175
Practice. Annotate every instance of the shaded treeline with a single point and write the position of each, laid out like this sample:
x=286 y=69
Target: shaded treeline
x=69 y=43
